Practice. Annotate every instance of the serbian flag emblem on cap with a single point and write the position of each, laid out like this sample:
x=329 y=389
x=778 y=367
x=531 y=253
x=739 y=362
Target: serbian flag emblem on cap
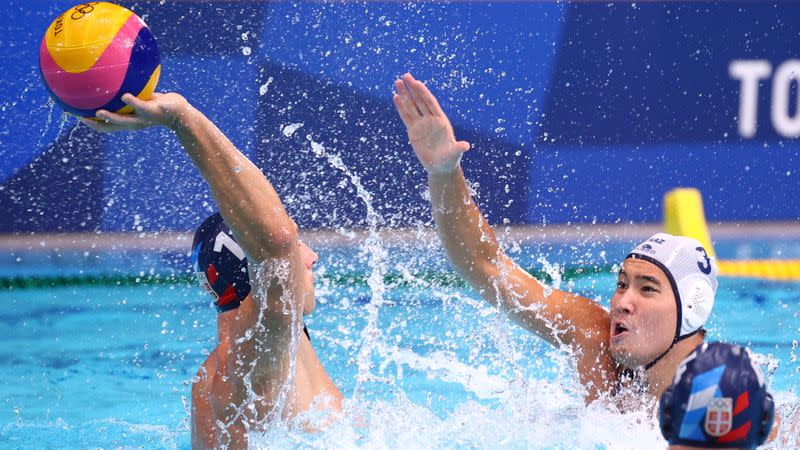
x=719 y=416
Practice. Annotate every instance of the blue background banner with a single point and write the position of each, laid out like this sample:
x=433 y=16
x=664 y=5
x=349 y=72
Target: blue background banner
x=577 y=112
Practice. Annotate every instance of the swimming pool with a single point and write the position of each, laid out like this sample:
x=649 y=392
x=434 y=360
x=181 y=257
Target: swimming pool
x=93 y=357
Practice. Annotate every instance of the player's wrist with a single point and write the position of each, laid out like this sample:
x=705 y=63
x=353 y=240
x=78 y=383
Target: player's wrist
x=180 y=116
x=444 y=170
x=446 y=166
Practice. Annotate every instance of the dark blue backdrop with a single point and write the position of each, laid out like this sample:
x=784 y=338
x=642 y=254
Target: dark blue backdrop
x=576 y=112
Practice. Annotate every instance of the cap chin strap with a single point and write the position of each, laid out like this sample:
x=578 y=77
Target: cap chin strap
x=678 y=304
x=674 y=341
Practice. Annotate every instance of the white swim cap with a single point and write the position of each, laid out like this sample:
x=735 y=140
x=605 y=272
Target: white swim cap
x=691 y=272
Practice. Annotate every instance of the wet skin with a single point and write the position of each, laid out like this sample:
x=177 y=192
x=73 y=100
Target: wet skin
x=643 y=314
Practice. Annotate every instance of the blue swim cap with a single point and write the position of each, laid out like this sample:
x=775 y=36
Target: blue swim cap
x=220 y=264
x=718 y=399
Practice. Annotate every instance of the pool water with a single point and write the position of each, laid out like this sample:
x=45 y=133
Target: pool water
x=111 y=366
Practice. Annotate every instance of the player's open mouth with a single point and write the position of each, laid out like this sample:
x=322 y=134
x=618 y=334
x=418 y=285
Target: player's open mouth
x=618 y=330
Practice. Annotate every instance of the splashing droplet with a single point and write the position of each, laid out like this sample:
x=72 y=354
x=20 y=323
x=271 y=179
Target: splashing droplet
x=290 y=129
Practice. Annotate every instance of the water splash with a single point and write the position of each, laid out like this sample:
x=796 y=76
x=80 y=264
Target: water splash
x=534 y=414
x=266 y=405
x=51 y=105
x=375 y=251
x=788 y=409
x=62 y=123
x=445 y=366
x=290 y=129
x=73 y=130
x=264 y=88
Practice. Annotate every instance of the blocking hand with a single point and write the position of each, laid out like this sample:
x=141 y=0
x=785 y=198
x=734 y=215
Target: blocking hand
x=429 y=129
x=162 y=109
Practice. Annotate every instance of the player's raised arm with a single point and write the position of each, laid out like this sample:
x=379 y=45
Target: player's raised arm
x=470 y=243
x=261 y=331
x=247 y=200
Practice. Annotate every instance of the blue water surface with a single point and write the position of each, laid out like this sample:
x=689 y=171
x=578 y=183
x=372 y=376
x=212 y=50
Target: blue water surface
x=110 y=366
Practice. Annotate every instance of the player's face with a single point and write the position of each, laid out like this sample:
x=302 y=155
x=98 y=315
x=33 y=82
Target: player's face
x=308 y=258
x=643 y=314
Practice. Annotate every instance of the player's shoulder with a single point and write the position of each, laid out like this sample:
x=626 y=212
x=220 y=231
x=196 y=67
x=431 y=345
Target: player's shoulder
x=212 y=390
x=200 y=383
x=204 y=414
x=207 y=375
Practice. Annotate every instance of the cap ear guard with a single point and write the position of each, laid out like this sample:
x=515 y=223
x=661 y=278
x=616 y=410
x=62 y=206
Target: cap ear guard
x=665 y=421
x=697 y=301
x=767 y=418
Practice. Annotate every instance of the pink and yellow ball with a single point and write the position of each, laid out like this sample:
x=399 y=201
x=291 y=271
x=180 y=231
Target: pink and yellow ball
x=94 y=53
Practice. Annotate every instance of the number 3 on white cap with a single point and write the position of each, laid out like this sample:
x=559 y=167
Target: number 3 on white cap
x=706 y=269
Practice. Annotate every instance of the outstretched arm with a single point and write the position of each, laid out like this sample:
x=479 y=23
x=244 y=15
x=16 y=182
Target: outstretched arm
x=247 y=200
x=255 y=214
x=556 y=316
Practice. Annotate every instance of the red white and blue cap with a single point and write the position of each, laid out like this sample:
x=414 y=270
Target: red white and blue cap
x=220 y=264
x=718 y=399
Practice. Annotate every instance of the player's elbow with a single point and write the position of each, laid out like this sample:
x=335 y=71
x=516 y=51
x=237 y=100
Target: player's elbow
x=277 y=242
x=284 y=241
x=483 y=276
x=483 y=269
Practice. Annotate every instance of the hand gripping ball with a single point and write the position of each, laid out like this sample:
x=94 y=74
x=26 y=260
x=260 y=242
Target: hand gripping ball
x=94 y=53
